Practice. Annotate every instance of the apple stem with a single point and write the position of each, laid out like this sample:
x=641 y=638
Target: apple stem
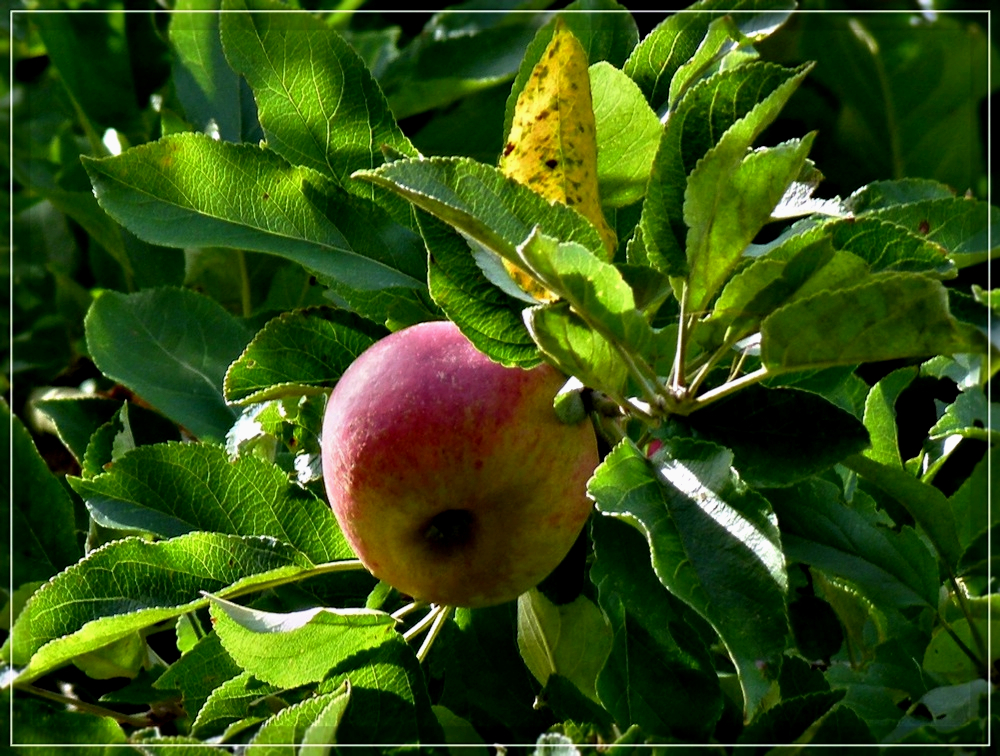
x=422 y=625
x=442 y=613
x=399 y=614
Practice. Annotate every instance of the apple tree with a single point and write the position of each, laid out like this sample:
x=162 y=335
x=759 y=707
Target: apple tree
x=748 y=247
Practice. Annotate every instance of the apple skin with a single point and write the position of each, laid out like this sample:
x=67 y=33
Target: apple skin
x=450 y=475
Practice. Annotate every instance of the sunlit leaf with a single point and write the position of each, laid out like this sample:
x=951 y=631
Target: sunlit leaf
x=714 y=544
x=187 y=342
x=188 y=190
x=659 y=674
x=297 y=353
x=305 y=77
x=890 y=316
x=888 y=568
x=482 y=203
x=751 y=95
x=655 y=61
x=131 y=584
x=880 y=416
x=488 y=316
x=172 y=489
x=572 y=640
x=729 y=198
x=628 y=133
x=294 y=648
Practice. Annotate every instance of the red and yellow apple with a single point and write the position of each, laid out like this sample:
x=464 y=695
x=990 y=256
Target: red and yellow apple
x=450 y=475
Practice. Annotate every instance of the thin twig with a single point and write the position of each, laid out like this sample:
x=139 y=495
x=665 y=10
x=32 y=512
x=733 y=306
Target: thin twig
x=977 y=636
x=246 y=297
x=134 y=720
x=729 y=388
x=981 y=667
x=737 y=365
x=678 y=376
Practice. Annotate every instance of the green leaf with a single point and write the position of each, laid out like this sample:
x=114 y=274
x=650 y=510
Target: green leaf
x=946 y=659
x=305 y=77
x=43 y=536
x=900 y=87
x=131 y=584
x=730 y=196
x=124 y=657
x=296 y=648
x=186 y=342
x=188 y=190
x=770 y=282
x=168 y=745
x=485 y=679
x=955 y=716
x=209 y=90
x=568 y=705
x=593 y=288
x=962 y=226
x=36 y=722
x=780 y=436
x=458 y=731
x=714 y=545
x=891 y=316
x=130 y=427
x=445 y=62
x=323 y=731
x=81 y=420
x=389 y=700
x=571 y=640
x=873 y=690
x=752 y=95
x=888 y=246
x=577 y=349
x=723 y=40
x=969 y=416
x=884 y=245
x=75 y=418
x=199 y=672
x=966 y=370
x=879 y=195
x=975 y=512
x=925 y=503
x=880 y=416
x=83 y=208
x=489 y=317
x=298 y=353
x=239 y=700
x=628 y=133
x=482 y=203
x=890 y=569
x=791 y=718
x=285 y=431
x=91 y=53
x=172 y=489
x=659 y=674
x=655 y=61
x=302 y=722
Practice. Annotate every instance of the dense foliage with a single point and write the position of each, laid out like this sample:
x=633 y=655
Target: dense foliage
x=214 y=213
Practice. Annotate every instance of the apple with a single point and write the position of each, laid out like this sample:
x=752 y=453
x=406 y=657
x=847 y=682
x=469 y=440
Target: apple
x=450 y=475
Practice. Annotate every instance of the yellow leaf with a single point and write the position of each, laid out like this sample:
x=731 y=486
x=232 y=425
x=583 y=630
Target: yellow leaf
x=552 y=145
